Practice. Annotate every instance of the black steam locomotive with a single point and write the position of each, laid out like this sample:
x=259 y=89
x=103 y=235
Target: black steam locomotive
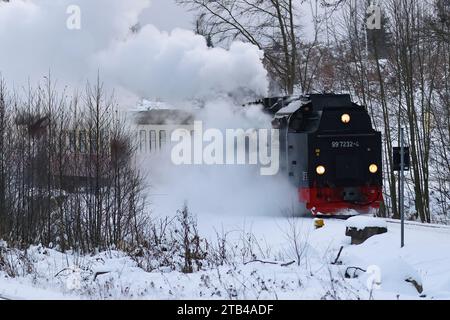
x=329 y=151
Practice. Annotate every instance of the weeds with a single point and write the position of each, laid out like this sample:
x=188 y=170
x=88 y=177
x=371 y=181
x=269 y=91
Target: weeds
x=14 y=263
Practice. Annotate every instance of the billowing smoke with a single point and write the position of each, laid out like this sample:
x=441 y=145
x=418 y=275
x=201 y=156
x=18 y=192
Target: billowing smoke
x=35 y=40
x=180 y=65
x=224 y=189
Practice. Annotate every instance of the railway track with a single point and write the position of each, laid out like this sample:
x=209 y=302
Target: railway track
x=408 y=224
x=419 y=225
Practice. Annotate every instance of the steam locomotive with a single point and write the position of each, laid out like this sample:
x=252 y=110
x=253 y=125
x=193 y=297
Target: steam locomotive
x=329 y=151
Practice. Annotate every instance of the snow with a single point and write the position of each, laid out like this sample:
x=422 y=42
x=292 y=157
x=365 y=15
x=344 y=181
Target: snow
x=290 y=108
x=425 y=259
x=362 y=222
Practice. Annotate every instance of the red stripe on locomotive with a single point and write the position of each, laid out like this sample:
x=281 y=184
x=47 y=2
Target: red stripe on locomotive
x=331 y=200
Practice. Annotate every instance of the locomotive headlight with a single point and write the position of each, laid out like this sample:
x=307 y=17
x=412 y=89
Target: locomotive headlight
x=373 y=168
x=320 y=170
x=345 y=118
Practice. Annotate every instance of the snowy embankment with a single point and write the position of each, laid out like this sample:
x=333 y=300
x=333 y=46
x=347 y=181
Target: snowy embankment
x=290 y=260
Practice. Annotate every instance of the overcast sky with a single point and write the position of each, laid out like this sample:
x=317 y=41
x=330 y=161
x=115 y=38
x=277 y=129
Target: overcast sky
x=167 y=15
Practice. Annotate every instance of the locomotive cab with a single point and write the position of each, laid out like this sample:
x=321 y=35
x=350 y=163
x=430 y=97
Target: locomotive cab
x=331 y=153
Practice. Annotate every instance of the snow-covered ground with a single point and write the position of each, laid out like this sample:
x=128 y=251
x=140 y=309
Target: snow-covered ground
x=291 y=260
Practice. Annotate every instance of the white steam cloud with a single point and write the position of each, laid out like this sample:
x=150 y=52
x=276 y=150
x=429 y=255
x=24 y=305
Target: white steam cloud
x=34 y=37
x=35 y=40
x=224 y=190
x=180 y=65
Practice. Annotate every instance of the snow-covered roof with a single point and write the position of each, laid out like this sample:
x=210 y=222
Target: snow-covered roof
x=146 y=105
x=290 y=108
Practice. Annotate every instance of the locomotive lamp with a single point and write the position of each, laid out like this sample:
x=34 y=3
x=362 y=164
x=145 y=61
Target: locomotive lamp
x=373 y=168
x=320 y=170
x=345 y=118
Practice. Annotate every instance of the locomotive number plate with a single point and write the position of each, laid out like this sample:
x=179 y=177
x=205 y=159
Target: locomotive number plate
x=344 y=144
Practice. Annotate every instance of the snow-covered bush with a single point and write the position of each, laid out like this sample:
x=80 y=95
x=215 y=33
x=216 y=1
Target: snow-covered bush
x=173 y=245
x=13 y=262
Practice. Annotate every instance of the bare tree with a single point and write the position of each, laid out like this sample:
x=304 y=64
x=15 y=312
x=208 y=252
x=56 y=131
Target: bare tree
x=270 y=25
x=66 y=169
